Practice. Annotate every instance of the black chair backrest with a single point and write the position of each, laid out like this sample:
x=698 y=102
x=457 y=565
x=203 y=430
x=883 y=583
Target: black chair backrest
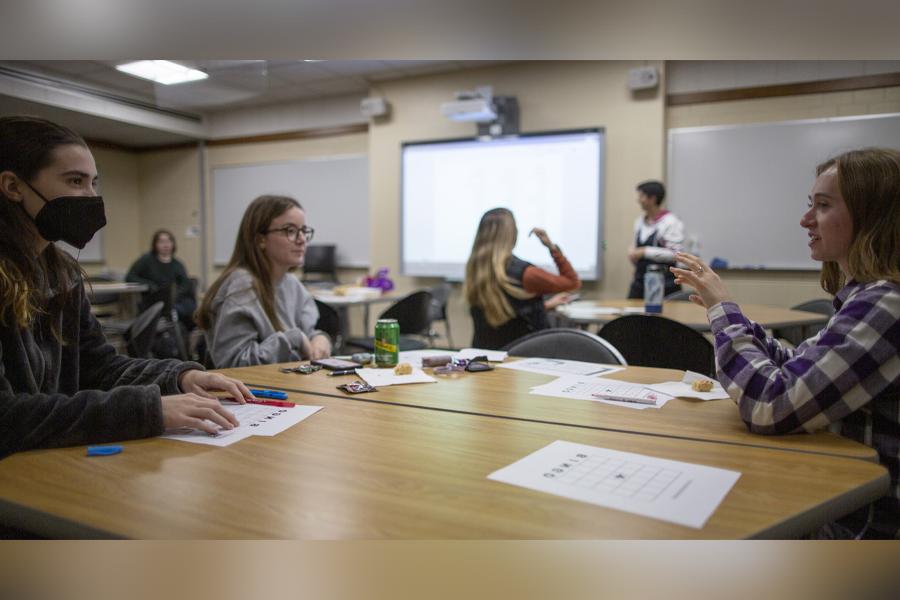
x=655 y=341
x=680 y=295
x=329 y=320
x=796 y=335
x=321 y=258
x=439 y=296
x=142 y=331
x=566 y=344
x=413 y=313
x=823 y=306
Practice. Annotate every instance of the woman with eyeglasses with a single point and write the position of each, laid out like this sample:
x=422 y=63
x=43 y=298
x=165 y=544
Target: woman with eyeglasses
x=256 y=312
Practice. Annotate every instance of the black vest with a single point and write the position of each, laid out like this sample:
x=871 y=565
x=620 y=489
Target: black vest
x=529 y=314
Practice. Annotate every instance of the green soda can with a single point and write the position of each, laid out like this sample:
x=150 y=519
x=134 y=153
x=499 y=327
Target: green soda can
x=387 y=343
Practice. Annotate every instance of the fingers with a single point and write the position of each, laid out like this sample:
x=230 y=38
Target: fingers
x=239 y=392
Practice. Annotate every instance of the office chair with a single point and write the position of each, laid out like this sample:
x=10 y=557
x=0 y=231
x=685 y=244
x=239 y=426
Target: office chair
x=566 y=344
x=142 y=332
x=413 y=314
x=438 y=311
x=655 y=341
x=797 y=334
x=330 y=322
x=321 y=260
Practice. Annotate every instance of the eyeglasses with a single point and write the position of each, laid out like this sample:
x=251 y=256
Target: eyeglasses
x=291 y=232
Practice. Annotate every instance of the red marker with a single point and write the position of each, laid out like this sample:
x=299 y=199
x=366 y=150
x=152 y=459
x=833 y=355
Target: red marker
x=271 y=402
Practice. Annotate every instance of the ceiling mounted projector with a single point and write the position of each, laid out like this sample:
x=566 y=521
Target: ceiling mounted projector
x=477 y=105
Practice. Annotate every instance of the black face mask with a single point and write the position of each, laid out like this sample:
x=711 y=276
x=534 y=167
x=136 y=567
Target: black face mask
x=72 y=219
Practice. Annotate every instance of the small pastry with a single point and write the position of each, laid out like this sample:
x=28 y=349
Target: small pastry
x=403 y=369
x=702 y=385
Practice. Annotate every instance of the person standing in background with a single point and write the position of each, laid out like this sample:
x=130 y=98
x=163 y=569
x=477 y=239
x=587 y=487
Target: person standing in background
x=658 y=236
x=159 y=270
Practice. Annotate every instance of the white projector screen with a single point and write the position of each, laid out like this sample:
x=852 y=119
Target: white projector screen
x=548 y=180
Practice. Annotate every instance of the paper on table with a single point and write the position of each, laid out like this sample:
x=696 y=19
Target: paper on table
x=674 y=491
x=589 y=308
x=255 y=419
x=553 y=366
x=582 y=388
x=683 y=388
x=384 y=377
x=492 y=355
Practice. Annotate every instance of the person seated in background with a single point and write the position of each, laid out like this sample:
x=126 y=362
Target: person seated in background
x=505 y=293
x=61 y=383
x=658 y=235
x=159 y=270
x=846 y=377
x=256 y=312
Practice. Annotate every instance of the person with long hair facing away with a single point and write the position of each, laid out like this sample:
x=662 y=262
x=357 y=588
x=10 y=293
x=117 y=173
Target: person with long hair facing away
x=61 y=383
x=846 y=377
x=256 y=312
x=505 y=293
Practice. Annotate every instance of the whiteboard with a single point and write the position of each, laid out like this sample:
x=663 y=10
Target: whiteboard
x=742 y=189
x=333 y=190
x=91 y=253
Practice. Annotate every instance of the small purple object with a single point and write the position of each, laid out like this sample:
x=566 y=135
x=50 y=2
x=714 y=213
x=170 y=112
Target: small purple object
x=381 y=280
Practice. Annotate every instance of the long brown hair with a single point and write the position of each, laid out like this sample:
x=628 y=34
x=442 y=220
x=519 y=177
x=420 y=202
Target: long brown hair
x=31 y=284
x=869 y=180
x=487 y=283
x=248 y=255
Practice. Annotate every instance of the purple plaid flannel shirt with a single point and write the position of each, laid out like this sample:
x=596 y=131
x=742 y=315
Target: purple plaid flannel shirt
x=846 y=378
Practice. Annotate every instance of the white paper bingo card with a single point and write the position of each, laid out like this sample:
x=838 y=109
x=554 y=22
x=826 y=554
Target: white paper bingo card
x=678 y=492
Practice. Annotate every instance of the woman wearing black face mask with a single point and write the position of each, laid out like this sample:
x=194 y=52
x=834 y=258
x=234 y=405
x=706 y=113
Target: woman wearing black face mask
x=61 y=383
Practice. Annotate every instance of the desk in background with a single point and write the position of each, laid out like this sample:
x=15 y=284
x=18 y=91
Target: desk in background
x=599 y=312
x=344 y=303
x=505 y=393
x=127 y=293
x=359 y=470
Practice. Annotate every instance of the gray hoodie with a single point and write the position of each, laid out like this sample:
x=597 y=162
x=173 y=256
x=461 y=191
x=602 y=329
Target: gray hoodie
x=242 y=334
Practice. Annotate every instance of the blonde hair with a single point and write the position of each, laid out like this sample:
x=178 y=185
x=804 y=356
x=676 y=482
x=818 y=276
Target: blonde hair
x=249 y=255
x=869 y=180
x=487 y=284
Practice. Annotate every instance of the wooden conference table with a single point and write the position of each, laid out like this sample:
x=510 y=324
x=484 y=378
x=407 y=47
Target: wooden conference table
x=505 y=393
x=602 y=311
x=359 y=470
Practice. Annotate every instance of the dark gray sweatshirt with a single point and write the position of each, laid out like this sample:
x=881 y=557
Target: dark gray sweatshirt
x=81 y=392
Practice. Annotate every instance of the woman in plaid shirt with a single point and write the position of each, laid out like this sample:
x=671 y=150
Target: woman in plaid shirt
x=847 y=377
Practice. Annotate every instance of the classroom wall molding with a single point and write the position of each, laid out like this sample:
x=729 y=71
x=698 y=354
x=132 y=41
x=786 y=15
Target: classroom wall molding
x=845 y=84
x=301 y=134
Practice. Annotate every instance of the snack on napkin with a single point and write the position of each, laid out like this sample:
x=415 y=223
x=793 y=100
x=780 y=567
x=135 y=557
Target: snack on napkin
x=403 y=369
x=702 y=385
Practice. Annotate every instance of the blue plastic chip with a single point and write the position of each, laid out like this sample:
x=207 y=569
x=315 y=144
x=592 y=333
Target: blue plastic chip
x=103 y=450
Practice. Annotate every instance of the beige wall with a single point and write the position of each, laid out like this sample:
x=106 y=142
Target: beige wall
x=170 y=199
x=162 y=189
x=121 y=195
x=551 y=95
x=782 y=288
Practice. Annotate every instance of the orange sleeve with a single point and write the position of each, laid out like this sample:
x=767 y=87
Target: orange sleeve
x=538 y=281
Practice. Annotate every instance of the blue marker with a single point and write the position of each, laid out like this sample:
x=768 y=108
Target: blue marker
x=269 y=394
x=103 y=450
